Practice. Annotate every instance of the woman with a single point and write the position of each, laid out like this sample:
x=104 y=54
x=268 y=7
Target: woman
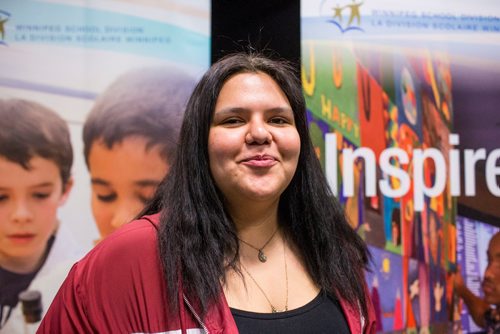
x=250 y=238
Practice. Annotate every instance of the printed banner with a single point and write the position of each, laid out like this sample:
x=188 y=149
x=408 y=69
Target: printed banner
x=63 y=54
x=133 y=64
x=378 y=77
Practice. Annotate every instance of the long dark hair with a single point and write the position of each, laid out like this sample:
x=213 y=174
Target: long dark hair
x=197 y=235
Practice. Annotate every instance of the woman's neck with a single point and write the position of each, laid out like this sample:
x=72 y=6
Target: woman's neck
x=255 y=222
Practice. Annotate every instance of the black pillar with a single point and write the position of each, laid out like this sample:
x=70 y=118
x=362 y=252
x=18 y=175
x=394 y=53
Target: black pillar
x=271 y=26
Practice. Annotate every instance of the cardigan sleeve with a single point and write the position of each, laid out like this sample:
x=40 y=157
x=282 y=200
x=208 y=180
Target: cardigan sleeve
x=116 y=288
x=67 y=313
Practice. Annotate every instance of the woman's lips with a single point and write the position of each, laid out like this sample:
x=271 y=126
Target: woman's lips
x=260 y=161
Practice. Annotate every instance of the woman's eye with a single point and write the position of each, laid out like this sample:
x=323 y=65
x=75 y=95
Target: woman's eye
x=3 y=198
x=232 y=121
x=279 y=121
x=106 y=198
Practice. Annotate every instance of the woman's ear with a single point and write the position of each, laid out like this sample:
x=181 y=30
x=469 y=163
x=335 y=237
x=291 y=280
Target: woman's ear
x=66 y=190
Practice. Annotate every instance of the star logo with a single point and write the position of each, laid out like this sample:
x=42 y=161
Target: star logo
x=346 y=17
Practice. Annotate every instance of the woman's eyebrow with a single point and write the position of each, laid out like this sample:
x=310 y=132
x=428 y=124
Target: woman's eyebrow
x=230 y=110
x=282 y=109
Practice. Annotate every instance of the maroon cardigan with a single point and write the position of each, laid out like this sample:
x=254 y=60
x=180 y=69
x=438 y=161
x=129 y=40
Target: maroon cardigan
x=119 y=287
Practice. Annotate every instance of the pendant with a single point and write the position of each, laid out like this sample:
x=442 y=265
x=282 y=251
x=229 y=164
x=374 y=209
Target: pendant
x=274 y=310
x=262 y=256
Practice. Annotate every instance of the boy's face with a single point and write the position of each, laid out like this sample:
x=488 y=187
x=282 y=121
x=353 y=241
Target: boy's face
x=29 y=200
x=124 y=178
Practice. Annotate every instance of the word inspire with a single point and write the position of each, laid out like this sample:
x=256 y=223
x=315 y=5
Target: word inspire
x=390 y=170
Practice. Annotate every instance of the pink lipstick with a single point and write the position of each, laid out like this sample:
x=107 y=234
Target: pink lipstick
x=260 y=160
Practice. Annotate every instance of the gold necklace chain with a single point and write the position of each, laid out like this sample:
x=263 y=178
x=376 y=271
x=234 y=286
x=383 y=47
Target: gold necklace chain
x=273 y=309
x=262 y=257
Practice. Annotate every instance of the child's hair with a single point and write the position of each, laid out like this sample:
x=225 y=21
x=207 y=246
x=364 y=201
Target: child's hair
x=28 y=129
x=147 y=102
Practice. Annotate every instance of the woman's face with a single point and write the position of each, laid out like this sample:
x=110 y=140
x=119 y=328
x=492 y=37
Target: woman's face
x=253 y=144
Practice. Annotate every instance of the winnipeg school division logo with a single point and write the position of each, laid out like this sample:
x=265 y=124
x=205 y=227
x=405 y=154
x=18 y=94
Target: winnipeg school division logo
x=346 y=17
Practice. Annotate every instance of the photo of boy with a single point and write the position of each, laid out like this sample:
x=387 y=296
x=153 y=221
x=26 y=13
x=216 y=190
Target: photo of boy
x=36 y=250
x=130 y=137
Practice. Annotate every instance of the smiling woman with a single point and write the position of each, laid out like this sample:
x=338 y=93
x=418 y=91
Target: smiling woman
x=243 y=236
x=253 y=144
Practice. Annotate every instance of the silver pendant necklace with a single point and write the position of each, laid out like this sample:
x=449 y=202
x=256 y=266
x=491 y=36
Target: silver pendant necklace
x=273 y=308
x=262 y=257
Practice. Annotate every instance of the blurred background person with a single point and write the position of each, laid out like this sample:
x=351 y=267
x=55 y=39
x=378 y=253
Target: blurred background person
x=130 y=137
x=36 y=250
x=485 y=311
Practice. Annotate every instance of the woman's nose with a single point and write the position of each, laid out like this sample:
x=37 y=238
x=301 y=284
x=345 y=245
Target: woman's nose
x=258 y=133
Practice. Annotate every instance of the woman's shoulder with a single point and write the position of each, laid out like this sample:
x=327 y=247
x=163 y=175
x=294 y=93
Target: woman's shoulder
x=113 y=281
x=122 y=262
x=134 y=245
x=142 y=229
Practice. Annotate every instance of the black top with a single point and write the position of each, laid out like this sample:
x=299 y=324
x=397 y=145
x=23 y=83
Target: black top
x=321 y=315
x=11 y=284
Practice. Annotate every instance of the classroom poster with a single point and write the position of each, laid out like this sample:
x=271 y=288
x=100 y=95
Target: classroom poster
x=64 y=53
